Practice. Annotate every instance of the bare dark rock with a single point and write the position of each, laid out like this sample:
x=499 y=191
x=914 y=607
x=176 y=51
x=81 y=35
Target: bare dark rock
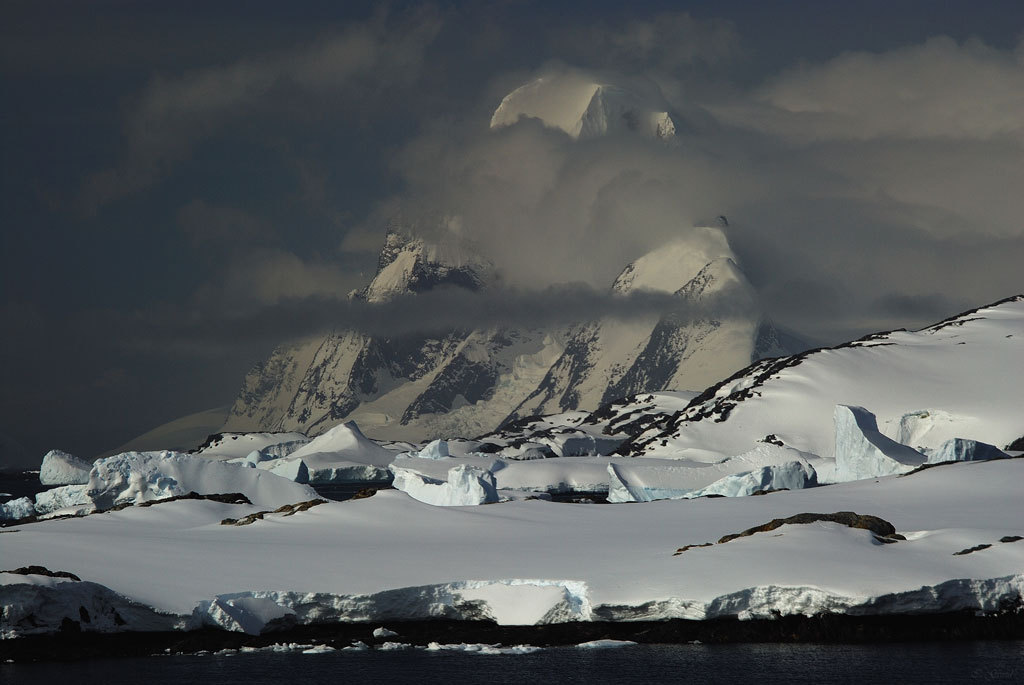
x=969 y=550
x=43 y=571
x=876 y=525
x=1011 y=538
x=686 y=547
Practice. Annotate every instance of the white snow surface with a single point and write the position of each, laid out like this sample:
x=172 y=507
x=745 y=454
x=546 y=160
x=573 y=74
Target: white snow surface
x=61 y=468
x=420 y=561
x=966 y=371
x=236 y=445
x=142 y=476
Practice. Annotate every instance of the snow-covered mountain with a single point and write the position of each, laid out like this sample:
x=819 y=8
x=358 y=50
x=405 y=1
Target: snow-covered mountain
x=468 y=382
x=608 y=359
x=586 y=105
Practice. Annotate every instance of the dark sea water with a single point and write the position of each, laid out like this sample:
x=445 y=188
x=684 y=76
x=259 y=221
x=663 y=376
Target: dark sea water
x=15 y=484
x=989 y=662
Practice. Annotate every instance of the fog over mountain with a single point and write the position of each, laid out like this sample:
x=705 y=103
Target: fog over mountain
x=184 y=191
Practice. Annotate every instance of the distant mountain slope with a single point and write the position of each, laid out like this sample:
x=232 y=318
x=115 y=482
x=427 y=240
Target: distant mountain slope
x=468 y=382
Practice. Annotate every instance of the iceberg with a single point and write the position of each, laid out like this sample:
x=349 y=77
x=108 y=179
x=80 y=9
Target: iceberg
x=466 y=485
x=793 y=475
x=64 y=497
x=962 y=449
x=17 y=509
x=134 y=477
x=766 y=467
x=61 y=468
x=861 y=451
x=341 y=455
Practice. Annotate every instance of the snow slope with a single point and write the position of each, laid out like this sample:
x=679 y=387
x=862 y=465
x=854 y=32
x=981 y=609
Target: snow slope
x=960 y=378
x=556 y=562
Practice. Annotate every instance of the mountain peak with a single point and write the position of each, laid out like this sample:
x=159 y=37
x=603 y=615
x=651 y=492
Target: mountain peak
x=412 y=264
x=585 y=105
x=674 y=264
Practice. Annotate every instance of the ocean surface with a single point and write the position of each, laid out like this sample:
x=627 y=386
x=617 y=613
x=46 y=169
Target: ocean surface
x=929 y=662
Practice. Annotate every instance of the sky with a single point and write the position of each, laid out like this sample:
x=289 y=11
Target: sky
x=186 y=185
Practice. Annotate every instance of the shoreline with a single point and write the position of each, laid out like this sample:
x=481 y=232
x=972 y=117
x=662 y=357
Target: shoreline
x=71 y=644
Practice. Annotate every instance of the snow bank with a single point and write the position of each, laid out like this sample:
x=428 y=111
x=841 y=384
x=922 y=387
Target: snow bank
x=962 y=449
x=861 y=451
x=466 y=485
x=142 y=476
x=61 y=468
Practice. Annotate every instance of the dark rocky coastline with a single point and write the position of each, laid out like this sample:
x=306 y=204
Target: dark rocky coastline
x=71 y=644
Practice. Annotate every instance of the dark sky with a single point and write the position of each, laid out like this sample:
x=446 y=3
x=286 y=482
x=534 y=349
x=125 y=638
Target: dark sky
x=169 y=167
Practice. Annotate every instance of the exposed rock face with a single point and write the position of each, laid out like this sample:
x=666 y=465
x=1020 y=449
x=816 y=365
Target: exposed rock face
x=876 y=525
x=416 y=387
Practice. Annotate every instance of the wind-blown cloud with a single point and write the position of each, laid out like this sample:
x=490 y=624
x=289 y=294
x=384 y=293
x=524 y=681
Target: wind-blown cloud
x=436 y=311
x=936 y=90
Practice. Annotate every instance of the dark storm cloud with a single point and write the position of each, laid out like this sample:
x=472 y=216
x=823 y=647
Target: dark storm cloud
x=173 y=113
x=242 y=164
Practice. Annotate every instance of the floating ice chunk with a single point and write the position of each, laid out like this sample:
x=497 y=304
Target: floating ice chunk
x=61 y=468
x=605 y=644
x=962 y=449
x=466 y=485
x=478 y=648
x=17 y=509
x=861 y=451
x=319 y=649
x=394 y=646
x=142 y=476
x=357 y=646
x=383 y=632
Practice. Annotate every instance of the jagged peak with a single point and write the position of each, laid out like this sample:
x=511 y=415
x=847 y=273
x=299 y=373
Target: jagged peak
x=587 y=105
x=672 y=265
x=410 y=263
